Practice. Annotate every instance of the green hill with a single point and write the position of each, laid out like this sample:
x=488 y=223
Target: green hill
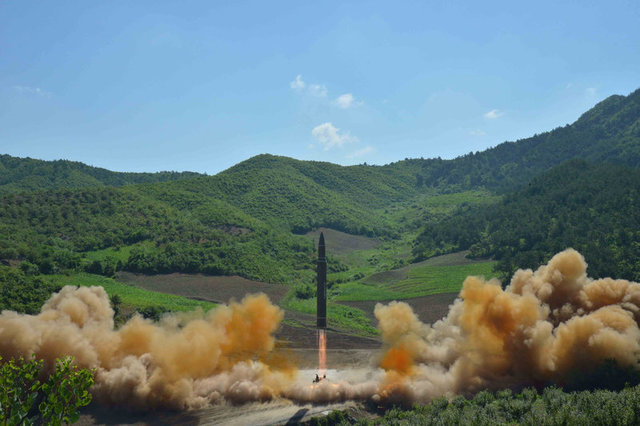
x=59 y=230
x=610 y=131
x=299 y=196
x=590 y=207
x=28 y=174
x=65 y=215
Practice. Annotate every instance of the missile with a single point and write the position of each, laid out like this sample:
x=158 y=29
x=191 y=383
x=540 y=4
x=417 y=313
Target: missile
x=321 y=294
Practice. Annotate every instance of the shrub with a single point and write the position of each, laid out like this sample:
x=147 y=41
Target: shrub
x=25 y=400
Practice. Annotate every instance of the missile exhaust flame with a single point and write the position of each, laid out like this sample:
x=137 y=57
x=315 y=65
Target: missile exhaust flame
x=322 y=353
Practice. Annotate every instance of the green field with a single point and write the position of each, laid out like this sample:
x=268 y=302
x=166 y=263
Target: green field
x=115 y=253
x=421 y=281
x=340 y=316
x=133 y=297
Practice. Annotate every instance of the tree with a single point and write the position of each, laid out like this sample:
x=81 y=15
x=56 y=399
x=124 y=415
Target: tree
x=58 y=399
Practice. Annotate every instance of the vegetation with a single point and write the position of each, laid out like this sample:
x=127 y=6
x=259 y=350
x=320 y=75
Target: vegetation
x=609 y=132
x=27 y=174
x=21 y=292
x=552 y=407
x=149 y=303
x=607 y=395
x=25 y=293
x=340 y=316
x=25 y=400
x=78 y=222
x=421 y=281
x=63 y=230
x=592 y=208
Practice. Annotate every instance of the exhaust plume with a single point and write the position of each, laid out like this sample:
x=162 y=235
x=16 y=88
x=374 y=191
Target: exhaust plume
x=539 y=329
x=322 y=352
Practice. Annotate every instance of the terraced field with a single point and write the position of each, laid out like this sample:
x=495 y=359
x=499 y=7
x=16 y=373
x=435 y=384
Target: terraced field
x=442 y=274
x=429 y=287
x=132 y=297
x=342 y=243
x=217 y=289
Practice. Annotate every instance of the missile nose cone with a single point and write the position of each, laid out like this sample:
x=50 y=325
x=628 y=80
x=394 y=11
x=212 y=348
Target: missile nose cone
x=321 y=248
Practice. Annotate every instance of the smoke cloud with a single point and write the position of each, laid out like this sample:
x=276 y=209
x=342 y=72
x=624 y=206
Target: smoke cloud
x=179 y=363
x=544 y=325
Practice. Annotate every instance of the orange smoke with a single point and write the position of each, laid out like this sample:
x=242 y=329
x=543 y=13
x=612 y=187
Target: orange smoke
x=542 y=327
x=178 y=363
x=545 y=325
x=397 y=359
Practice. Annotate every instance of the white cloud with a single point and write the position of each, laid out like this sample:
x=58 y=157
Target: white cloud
x=477 y=132
x=330 y=136
x=346 y=101
x=590 y=91
x=32 y=91
x=318 y=90
x=493 y=114
x=298 y=83
x=362 y=152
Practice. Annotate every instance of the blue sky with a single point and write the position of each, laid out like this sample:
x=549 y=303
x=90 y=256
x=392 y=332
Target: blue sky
x=202 y=85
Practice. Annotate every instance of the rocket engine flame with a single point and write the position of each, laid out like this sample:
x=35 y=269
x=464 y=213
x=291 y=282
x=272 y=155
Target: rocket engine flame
x=322 y=353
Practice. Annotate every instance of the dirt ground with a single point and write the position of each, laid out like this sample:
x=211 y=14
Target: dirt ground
x=349 y=364
x=452 y=259
x=428 y=308
x=278 y=412
x=218 y=289
x=298 y=330
x=306 y=337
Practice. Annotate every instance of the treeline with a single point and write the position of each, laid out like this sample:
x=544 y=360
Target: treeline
x=606 y=133
x=300 y=196
x=551 y=407
x=592 y=208
x=28 y=174
x=22 y=292
x=609 y=394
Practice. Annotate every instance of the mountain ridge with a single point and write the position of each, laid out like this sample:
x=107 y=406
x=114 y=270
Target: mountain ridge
x=28 y=174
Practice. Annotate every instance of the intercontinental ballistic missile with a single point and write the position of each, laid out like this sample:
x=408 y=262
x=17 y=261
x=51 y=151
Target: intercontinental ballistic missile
x=321 y=294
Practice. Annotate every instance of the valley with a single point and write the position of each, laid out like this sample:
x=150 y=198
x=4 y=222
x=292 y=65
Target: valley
x=173 y=247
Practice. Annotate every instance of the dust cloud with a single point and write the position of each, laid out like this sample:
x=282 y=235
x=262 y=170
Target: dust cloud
x=544 y=325
x=178 y=363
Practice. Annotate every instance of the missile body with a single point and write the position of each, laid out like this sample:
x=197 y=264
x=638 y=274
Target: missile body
x=321 y=294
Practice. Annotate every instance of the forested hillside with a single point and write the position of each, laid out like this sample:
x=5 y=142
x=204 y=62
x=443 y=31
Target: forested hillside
x=64 y=215
x=27 y=174
x=590 y=207
x=610 y=132
x=59 y=230
x=299 y=196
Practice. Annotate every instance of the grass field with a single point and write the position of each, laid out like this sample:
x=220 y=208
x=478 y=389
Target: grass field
x=340 y=316
x=133 y=297
x=217 y=289
x=341 y=243
x=420 y=281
